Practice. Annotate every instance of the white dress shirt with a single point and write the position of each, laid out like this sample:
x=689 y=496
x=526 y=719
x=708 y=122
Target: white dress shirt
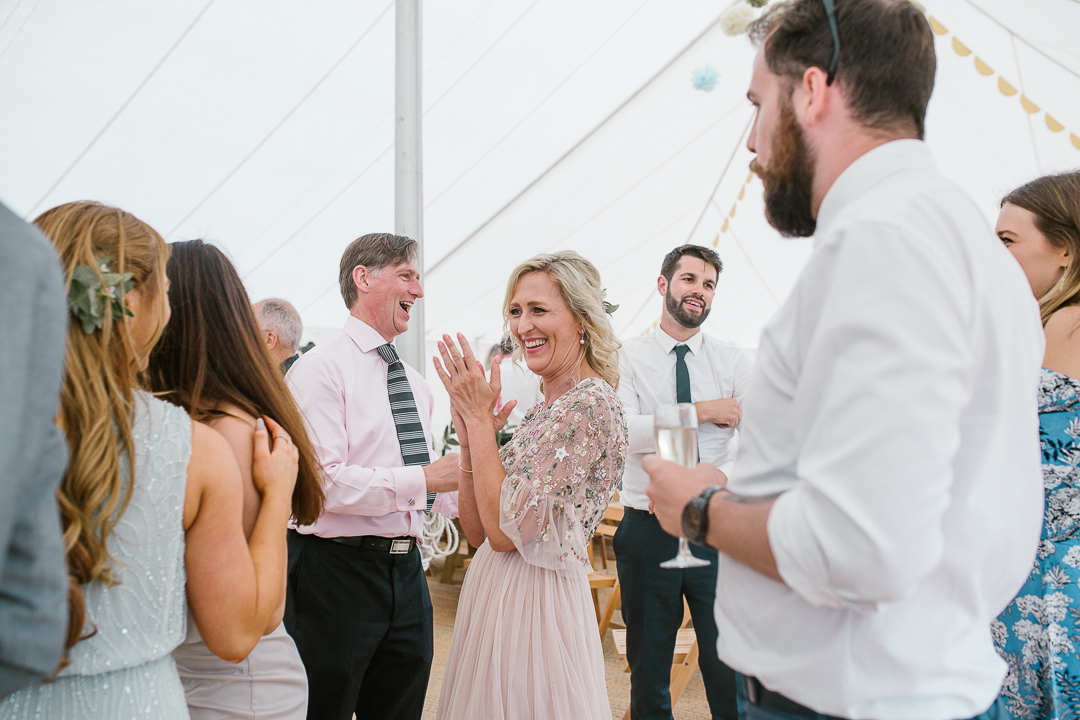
x=521 y=384
x=340 y=388
x=647 y=379
x=893 y=409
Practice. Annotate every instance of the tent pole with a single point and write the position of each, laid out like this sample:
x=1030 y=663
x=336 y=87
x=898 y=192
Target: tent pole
x=408 y=159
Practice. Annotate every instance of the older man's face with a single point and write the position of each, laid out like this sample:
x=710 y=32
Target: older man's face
x=393 y=292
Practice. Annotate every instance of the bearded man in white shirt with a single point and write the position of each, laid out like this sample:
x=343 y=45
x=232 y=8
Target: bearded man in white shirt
x=885 y=504
x=675 y=363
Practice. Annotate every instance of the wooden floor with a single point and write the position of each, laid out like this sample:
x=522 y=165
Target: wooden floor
x=444 y=597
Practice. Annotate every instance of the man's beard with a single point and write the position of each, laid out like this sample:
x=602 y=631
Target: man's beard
x=789 y=179
x=682 y=316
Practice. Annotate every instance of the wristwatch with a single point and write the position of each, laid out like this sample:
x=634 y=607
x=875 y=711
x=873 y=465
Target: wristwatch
x=695 y=516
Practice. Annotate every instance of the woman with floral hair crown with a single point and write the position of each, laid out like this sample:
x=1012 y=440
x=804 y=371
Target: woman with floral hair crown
x=149 y=497
x=525 y=642
x=1036 y=634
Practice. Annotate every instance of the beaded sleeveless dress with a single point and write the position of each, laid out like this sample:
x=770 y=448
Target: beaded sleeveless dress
x=125 y=670
x=525 y=644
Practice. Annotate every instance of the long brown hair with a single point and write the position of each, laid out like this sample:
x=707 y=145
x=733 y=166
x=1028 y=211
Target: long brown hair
x=100 y=374
x=1054 y=200
x=213 y=354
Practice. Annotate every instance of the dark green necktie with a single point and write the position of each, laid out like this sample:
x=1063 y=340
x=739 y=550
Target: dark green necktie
x=682 y=375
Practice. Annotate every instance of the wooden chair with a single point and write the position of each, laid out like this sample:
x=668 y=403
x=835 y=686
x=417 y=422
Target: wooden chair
x=683 y=664
x=605 y=531
x=609 y=610
x=598 y=580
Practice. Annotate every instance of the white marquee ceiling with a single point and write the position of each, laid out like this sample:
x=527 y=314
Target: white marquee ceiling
x=267 y=128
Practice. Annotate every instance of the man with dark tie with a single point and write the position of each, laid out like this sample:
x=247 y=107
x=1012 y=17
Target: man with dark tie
x=676 y=363
x=357 y=604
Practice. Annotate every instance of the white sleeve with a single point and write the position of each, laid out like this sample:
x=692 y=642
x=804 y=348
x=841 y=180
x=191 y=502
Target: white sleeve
x=884 y=380
x=642 y=438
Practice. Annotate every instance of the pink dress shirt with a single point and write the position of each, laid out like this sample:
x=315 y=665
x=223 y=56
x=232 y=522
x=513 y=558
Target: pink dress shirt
x=340 y=387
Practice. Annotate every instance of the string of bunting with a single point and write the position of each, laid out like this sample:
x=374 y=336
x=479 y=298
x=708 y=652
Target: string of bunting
x=1007 y=89
x=734 y=207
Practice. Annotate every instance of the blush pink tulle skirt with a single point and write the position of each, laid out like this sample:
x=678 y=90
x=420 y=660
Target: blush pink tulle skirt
x=525 y=645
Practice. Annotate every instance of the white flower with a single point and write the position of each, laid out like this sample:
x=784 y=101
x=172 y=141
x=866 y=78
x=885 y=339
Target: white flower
x=1054 y=475
x=1072 y=557
x=736 y=19
x=1058 y=639
x=1028 y=605
x=1046 y=549
x=1056 y=606
x=999 y=632
x=561 y=453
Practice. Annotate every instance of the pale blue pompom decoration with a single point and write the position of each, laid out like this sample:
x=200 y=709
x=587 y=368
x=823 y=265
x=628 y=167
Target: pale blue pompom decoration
x=705 y=78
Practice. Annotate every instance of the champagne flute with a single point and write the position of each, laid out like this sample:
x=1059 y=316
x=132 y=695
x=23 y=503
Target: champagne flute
x=676 y=440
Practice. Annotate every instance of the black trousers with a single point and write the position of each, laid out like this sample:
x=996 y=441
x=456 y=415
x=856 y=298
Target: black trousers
x=652 y=608
x=362 y=622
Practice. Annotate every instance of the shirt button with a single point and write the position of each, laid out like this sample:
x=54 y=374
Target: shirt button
x=412 y=501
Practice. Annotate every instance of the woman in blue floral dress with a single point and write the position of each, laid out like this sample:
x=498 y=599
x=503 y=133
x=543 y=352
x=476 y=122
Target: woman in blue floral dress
x=1038 y=634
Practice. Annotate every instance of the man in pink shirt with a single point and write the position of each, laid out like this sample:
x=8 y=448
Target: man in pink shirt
x=358 y=605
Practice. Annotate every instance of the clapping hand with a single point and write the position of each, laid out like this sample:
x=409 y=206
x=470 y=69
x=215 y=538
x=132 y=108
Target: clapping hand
x=472 y=396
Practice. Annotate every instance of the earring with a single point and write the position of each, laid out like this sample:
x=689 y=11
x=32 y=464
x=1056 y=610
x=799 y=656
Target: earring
x=582 y=336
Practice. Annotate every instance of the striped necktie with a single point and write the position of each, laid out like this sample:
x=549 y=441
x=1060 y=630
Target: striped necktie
x=410 y=433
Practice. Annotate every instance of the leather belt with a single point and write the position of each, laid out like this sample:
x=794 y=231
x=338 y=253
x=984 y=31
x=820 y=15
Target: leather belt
x=761 y=696
x=394 y=546
x=635 y=511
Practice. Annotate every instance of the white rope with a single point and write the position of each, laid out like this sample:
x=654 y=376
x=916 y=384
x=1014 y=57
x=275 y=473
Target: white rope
x=436 y=527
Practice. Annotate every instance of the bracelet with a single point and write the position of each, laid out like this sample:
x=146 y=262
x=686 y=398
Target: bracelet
x=464 y=470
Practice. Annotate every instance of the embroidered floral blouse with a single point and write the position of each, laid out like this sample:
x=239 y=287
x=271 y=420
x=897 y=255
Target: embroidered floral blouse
x=562 y=467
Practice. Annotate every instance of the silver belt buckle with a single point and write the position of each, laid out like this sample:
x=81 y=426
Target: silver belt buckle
x=400 y=547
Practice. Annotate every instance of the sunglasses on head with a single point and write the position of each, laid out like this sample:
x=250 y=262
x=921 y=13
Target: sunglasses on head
x=830 y=12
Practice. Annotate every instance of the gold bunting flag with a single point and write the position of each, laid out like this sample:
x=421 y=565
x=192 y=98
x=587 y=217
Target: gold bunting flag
x=1006 y=88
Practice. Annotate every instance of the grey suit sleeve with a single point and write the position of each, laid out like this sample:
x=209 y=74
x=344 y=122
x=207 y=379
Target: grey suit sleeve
x=33 y=575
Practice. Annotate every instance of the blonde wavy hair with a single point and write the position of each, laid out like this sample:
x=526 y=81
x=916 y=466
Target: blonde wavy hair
x=101 y=370
x=578 y=281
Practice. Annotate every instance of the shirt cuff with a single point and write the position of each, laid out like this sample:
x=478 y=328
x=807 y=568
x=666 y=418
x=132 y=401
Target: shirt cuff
x=726 y=467
x=798 y=555
x=411 y=488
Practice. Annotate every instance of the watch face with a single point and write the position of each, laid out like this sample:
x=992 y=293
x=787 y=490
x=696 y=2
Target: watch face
x=692 y=519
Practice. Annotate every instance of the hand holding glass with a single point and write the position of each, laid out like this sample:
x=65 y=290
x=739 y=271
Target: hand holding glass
x=676 y=440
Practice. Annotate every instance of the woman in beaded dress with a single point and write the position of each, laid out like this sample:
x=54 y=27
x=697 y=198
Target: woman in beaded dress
x=212 y=361
x=1037 y=634
x=525 y=642
x=149 y=498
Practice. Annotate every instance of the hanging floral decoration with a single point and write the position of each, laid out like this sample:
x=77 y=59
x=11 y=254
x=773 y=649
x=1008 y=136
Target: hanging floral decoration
x=737 y=18
x=705 y=78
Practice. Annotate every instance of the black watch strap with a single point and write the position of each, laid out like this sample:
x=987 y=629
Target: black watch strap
x=695 y=519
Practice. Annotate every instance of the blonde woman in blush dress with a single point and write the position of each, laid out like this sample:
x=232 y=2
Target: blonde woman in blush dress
x=212 y=362
x=525 y=641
